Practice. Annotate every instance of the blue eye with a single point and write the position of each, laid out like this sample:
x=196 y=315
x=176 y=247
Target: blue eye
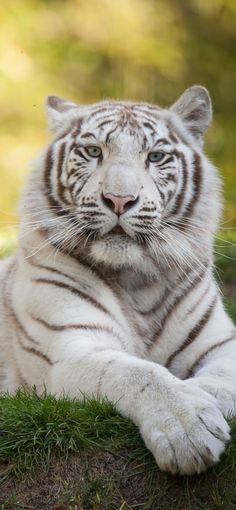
x=155 y=156
x=94 y=151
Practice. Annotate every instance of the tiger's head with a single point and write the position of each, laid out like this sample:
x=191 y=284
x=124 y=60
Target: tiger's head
x=127 y=183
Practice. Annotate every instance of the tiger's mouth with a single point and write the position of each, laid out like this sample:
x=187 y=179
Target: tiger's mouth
x=119 y=235
x=118 y=230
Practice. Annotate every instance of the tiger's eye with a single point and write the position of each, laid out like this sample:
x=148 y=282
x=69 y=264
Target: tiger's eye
x=155 y=156
x=94 y=151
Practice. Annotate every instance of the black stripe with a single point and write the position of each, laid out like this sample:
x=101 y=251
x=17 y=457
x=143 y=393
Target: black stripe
x=32 y=350
x=143 y=217
x=146 y=108
x=190 y=286
x=172 y=136
x=48 y=168
x=162 y=195
x=88 y=135
x=149 y=125
x=102 y=109
x=49 y=268
x=103 y=373
x=148 y=209
x=60 y=137
x=204 y=354
x=155 y=306
x=177 y=135
x=171 y=177
x=12 y=315
x=87 y=286
x=199 y=300
x=60 y=187
x=78 y=152
x=79 y=293
x=77 y=126
x=10 y=308
x=166 y=161
x=78 y=185
x=193 y=333
x=146 y=118
x=197 y=182
x=104 y=123
x=181 y=194
x=91 y=214
x=52 y=202
x=89 y=204
x=108 y=135
x=84 y=263
x=83 y=327
x=141 y=225
x=163 y=141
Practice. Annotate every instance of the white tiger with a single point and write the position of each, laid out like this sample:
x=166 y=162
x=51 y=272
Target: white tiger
x=112 y=290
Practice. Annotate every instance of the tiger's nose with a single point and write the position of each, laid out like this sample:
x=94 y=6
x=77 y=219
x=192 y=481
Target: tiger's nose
x=119 y=204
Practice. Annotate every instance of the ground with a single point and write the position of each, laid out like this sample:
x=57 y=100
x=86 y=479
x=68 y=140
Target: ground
x=107 y=481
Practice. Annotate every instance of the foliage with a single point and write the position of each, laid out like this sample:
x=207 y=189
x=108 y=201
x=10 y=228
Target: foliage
x=90 y=50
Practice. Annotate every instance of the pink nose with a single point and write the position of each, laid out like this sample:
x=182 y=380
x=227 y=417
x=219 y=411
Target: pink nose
x=118 y=203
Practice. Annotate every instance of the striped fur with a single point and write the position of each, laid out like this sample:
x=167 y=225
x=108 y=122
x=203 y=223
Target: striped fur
x=125 y=305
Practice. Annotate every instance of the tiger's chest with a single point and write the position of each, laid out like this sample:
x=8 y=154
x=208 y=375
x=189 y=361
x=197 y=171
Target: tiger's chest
x=144 y=311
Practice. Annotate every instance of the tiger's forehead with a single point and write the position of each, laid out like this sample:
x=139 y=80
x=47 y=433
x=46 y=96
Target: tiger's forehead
x=117 y=120
x=122 y=111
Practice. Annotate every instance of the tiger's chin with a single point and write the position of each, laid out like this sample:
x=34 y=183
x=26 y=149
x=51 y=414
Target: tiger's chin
x=116 y=251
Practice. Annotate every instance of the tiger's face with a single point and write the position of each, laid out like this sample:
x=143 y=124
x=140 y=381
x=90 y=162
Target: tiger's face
x=119 y=173
x=119 y=176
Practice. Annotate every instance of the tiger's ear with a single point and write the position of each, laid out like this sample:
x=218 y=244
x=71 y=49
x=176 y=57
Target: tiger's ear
x=195 y=110
x=59 y=111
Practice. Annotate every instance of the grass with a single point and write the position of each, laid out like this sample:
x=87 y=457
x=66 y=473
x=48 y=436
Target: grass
x=31 y=427
x=63 y=454
x=35 y=430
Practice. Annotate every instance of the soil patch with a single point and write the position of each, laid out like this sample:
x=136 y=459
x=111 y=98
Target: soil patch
x=112 y=481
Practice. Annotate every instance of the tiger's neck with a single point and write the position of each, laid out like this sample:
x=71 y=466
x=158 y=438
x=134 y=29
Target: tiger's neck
x=131 y=280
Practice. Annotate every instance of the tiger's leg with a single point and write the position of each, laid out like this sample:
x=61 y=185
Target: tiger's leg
x=205 y=351
x=179 y=423
x=215 y=372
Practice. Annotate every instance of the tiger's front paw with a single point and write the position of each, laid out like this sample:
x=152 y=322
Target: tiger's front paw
x=188 y=434
x=223 y=389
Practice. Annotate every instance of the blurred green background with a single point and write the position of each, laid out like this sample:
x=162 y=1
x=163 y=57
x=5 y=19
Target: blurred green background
x=87 y=50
